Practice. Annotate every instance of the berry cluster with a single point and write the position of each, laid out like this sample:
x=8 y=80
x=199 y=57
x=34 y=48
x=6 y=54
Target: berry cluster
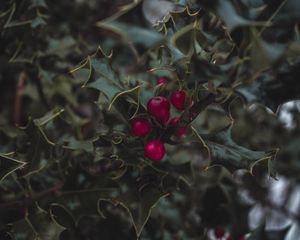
x=158 y=108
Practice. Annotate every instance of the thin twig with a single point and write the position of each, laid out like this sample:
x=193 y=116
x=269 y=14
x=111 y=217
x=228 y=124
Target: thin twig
x=273 y=16
x=37 y=81
x=32 y=198
x=18 y=99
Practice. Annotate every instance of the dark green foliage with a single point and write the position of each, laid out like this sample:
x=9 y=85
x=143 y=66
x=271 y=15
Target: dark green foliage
x=74 y=73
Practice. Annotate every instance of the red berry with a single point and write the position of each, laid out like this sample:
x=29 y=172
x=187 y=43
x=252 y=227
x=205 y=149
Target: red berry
x=179 y=99
x=181 y=131
x=242 y=238
x=162 y=80
x=140 y=127
x=219 y=232
x=159 y=107
x=154 y=149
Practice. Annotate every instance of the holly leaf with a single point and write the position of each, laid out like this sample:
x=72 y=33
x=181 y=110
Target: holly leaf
x=38 y=3
x=186 y=34
x=62 y=216
x=142 y=196
x=60 y=47
x=40 y=122
x=227 y=11
x=37 y=22
x=77 y=199
x=224 y=151
x=184 y=39
x=110 y=90
x=156 y=10
x=69 y=142
x=83 y=72
x=40 y=145
x=8 y=165
x=96 y=72
x=144 y=201
x=132 y=33
x=211 y=121
x=177 y=20
x=38 y=224
x=186 y=159
x=124 y=9
x=262 y=54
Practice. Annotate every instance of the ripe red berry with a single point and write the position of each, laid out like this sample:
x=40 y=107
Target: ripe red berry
x=154 y=149
x=162 y=80
x=179 y=99
x=159 y=107
x=181 y=131
x=219 y=232
x=140 y=127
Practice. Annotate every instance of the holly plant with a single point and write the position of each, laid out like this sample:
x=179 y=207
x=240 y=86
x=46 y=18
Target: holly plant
x=146 y=119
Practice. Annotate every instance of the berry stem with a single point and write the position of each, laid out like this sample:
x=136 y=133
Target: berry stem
x=189 y=116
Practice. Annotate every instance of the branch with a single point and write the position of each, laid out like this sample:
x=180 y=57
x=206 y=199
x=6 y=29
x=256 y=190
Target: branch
x=18 y=99
x=32 y=198
x=37 y=80
x=41 y=92
x=188 y=116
